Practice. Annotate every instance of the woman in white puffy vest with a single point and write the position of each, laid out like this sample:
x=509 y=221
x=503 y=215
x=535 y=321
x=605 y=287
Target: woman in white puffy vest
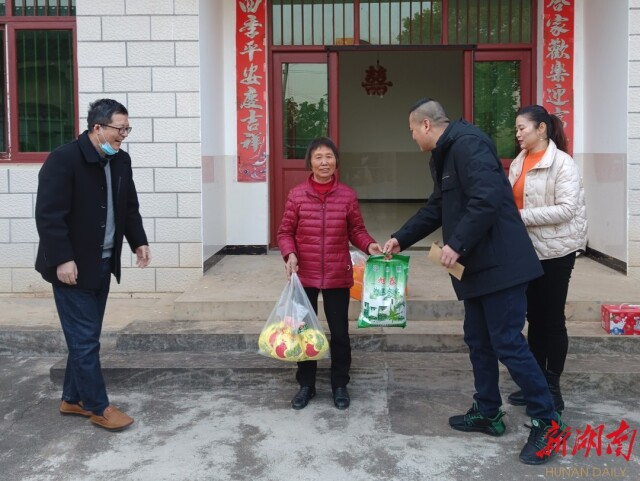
x=548 y=191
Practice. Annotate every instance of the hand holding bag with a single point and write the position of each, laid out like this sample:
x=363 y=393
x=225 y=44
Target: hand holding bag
x=292 y=331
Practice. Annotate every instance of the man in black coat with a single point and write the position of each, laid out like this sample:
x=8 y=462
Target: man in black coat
x=86 y=204
x=473 y=203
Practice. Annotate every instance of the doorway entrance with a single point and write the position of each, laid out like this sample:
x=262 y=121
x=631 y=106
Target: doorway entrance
x=318 y=67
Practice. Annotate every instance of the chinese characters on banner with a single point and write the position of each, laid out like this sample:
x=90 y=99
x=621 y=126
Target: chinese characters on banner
x=251 y=75
x=557 y=64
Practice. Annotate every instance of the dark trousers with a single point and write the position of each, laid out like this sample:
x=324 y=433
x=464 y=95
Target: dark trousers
x=81 y=312
x=546 y=298
x=493 y=331
x=336 y=309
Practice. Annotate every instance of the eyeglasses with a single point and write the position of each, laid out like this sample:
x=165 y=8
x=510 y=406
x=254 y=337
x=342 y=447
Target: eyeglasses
x=121 y=130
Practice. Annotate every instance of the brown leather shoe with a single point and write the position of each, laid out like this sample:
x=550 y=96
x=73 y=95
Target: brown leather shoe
x=69 y=408
x=112 y=419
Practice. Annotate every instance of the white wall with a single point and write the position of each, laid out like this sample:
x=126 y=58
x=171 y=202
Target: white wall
x=247 y=207
x=633 y=143
x=213 y=44
x=379 y=159
x=601 y=67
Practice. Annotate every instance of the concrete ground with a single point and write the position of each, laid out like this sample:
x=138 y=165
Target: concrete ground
x=396 y=429
x=211 y=421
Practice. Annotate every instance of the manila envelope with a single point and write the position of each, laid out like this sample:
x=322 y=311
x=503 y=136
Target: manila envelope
x=434 y=255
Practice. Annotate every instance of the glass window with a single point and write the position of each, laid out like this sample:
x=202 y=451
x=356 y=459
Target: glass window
x=496 y=94
x=45 y=89
x=305 y=113
x=43 y=8
x=312 y=22
x=38 y=98
x=384 y=22
x=3 y=97
x=400 y=22
x=489 y=21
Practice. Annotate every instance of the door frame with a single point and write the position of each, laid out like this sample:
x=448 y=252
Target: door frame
x=280 y=167
x=526 y=83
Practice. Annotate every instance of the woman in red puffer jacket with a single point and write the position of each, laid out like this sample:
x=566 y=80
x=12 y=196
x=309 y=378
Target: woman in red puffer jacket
x=320 y=218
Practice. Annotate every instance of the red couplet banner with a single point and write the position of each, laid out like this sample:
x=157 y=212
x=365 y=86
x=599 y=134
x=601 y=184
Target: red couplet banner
x=251 y=85
x=557 y=64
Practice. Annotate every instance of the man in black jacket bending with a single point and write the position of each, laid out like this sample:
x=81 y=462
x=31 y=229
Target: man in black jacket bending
x=86 y=204
x=473 y=203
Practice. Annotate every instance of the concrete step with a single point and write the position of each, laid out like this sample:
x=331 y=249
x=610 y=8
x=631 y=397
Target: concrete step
x=248 y=287
x=201 y=336
x=606 y=373
x=188 y=308
x=435 y=336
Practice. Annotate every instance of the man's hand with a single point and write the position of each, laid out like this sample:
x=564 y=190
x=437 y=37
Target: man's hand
x=392 y=246
x=143 y=254
x=68 y=273
x=448 y=257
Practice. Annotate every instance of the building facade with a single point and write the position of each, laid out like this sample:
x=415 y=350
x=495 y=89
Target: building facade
x=201 y=83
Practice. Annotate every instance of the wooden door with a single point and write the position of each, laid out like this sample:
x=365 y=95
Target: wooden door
x=301 y=93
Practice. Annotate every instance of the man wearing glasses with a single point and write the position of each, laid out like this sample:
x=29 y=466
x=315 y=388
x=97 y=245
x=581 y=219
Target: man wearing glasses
x=86 y=204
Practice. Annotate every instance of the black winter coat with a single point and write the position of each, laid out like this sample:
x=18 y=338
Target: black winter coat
x=473 y=202
x=71 y=215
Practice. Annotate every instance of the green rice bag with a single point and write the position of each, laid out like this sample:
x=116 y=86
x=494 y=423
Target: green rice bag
x=384 y=292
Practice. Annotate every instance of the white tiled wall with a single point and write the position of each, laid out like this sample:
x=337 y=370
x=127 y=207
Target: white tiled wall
x=143 y=53
x=633 y=171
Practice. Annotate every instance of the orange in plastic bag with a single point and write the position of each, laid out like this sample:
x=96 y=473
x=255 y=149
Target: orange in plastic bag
x=359 y=260
x=356 y=290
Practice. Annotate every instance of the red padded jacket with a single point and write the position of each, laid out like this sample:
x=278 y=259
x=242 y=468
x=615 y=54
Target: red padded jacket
x=318 y=233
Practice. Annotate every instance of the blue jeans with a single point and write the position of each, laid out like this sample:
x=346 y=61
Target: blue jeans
x=81 y=312
x=493 y=326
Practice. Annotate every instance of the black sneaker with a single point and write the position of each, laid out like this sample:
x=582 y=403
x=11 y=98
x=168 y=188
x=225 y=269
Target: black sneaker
x=517 y=399
x=474 y=421
x=544 y=437
x=303 y=396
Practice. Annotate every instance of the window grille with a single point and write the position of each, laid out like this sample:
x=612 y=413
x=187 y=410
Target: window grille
x=400 y=22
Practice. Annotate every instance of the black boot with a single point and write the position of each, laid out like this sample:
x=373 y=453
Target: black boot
x=553 y=380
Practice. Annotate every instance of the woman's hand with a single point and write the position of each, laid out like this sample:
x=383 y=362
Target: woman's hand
x=291 y=265
x=374 y=249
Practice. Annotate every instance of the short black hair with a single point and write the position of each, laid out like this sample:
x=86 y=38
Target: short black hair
x=101 y=111
x=320 y=142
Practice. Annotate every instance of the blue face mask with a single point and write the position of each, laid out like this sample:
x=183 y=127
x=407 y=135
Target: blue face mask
x=107 y=149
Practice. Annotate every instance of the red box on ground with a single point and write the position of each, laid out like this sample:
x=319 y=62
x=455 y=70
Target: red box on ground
x=621 y=319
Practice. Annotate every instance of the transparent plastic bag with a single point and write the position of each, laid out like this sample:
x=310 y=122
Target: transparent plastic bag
x=293 y=332
x=358 y=261
x=384 y=294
